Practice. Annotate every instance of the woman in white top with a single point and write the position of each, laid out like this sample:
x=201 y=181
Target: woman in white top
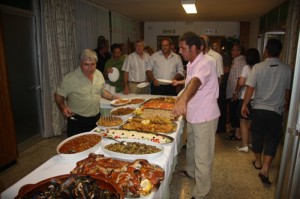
x=252 y=58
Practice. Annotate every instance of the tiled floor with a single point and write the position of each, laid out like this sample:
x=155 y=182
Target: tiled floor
x=233 y=174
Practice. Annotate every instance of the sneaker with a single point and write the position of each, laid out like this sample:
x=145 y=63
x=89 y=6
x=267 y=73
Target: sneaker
x=243 y=149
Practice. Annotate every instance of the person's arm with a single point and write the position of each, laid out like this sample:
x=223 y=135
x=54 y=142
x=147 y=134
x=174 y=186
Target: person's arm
x=242 y=81
x=60 y=102
x=107 y=95
x=177 y=82
x=247 y=97
x=180 y=106
x=178 y=76
x=126 y=86
x=236 y=90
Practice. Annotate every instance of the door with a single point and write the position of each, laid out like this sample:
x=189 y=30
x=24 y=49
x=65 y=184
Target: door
x=289 y=174
x=20 y=47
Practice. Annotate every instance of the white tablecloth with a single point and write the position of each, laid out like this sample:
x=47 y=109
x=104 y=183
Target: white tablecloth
x=58 y=166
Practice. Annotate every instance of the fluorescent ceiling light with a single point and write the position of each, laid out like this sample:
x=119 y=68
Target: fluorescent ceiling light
x=189 y=6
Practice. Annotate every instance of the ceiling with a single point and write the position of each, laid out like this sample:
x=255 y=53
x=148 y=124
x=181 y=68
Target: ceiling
x=208 y=10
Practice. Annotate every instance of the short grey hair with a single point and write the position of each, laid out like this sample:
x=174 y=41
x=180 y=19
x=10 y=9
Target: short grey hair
x=88 y=54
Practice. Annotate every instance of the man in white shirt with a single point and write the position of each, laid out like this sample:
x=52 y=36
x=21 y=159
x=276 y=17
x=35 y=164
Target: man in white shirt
x=134 y=68
x=165 y=65
x=217 y=57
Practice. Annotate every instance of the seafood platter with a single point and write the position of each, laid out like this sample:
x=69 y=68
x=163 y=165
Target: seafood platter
x=72 y=186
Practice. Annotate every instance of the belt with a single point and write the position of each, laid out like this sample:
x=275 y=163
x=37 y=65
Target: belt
x=136 y=82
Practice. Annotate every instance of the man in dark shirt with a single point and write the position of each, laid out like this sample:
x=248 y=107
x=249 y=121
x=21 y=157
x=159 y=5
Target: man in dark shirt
x=102 y=53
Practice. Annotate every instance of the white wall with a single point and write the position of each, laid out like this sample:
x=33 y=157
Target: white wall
x=154 y=29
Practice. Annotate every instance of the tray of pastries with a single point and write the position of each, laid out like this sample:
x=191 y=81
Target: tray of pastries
x=137 y=178
x=165 y=103
x=109 y=121
x=153 y=124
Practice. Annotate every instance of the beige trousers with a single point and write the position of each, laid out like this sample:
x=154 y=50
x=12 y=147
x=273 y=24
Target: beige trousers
x=134 y=89
x=200 y=154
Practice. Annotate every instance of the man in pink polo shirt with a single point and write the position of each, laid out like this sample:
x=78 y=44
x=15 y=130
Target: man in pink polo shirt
x=199 y=104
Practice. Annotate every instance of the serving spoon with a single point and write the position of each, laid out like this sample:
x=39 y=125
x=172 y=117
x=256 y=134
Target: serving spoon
x=121 y=142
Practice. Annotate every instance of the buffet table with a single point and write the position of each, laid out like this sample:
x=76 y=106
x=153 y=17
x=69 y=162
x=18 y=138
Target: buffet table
x=58 y=166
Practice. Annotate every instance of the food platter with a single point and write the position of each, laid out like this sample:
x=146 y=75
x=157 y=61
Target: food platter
x=125 y=134
x=123 y=112
x=123 y=156
x=119 y=102
x=79 y=145
x=134 y=174
x=164 y=81
x=109 y=122
x=114 y=76
x=105 y=186
x=137 y=101
x=152 y=125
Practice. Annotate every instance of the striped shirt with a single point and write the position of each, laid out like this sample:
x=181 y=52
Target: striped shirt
x=136 y=67
x=235 y=71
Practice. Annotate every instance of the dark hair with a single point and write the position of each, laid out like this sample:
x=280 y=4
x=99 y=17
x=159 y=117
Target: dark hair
x=193 y=39
x=240 y=48
x=252 y=56
x=114 y=46
x=102 y=42
x=274 y=47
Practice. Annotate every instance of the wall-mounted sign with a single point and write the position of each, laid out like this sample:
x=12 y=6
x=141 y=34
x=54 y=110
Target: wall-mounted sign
x=168 y=31
x=210 y=31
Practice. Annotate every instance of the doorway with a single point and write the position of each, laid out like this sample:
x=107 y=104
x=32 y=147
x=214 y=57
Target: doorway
x=20 y=46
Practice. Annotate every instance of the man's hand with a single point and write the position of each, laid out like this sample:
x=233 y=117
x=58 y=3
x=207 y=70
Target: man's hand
x=245 y=111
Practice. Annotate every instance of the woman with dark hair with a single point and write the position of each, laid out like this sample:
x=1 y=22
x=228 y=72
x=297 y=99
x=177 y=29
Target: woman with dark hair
x=252 y=58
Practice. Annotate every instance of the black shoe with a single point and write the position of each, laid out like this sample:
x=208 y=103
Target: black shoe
x=264 y=179
x=193 y=198
x=233 y=137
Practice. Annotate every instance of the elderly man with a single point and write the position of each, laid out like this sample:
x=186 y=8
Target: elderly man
x=217 y=57
x=233 y=88
x=165 y=65
x=134 y=69
x=199 y=103
x=78 y=96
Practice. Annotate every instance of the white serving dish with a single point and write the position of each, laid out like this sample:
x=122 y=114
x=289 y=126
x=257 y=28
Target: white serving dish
x=123 y=156
x=113 y=102
x=143 y=84
x=164 y=81
x=136 y=135
x=114 y=76
x=81 y=154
